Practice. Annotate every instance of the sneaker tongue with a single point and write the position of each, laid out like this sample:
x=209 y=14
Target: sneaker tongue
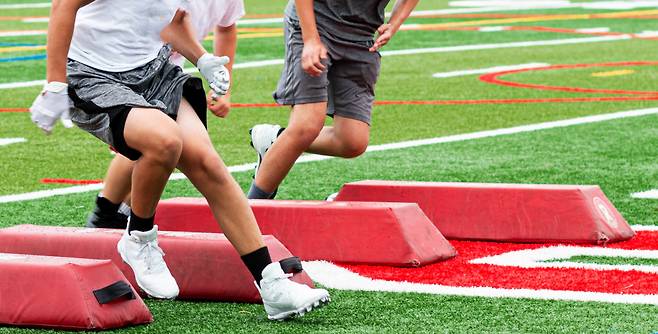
x=273 y=270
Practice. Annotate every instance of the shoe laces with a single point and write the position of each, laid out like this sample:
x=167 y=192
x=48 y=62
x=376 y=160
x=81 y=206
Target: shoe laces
x=150 y=251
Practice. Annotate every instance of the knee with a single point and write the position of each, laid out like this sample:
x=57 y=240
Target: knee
x=165 y=150
x=210 y=168
x=304 y=134
x=354 y=148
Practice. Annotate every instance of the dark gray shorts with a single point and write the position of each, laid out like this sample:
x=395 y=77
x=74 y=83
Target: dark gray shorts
x=103 y=100
x=348 y=86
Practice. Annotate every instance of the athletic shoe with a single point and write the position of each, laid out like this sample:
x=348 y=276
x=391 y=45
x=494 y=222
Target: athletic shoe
x=141 y=252
x=99 y=219
x=284 y=298
x=262 y=138
x=331 y=198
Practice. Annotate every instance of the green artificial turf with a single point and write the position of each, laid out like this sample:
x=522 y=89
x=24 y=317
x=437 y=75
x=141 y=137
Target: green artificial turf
x=618 y=155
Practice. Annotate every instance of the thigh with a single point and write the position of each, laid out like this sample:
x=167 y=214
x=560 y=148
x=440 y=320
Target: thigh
x=352 y=86
x=349 y=130
x=296 y=86
x=146 y=128
x=197 y=146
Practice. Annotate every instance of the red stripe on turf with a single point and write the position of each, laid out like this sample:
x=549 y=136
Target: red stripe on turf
x=494 y=78
x=446 y=102
x=70 y=181
x=459 y=272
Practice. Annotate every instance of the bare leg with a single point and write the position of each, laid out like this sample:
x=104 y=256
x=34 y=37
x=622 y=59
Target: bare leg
x=347 y=138
x=159 y=139
x=202 y=165
x=306 y=122
x=117 y=181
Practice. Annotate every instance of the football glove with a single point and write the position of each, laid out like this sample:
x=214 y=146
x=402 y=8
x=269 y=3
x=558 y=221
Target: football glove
x=51 y=104
x=213 y=70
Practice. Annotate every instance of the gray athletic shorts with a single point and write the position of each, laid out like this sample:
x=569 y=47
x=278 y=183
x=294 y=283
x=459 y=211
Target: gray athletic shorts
x=102 y=100
x=348 y=86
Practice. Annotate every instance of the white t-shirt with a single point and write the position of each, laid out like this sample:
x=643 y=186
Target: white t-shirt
x=205 y=15
x=121 y=35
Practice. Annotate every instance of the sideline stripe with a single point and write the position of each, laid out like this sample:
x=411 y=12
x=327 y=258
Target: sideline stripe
x=335 y=277
x=9 y=141
x=488 y=70
x=650 y=194
x=457 y=48
x=374 y=148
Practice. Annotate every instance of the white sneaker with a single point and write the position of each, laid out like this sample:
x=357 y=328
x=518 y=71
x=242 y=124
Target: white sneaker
x=262 y=138
x=141 y=252
x=284 y=298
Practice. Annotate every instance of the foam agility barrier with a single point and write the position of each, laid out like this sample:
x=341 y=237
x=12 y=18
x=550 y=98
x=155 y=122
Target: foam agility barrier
x=205 y=265
x=396 y=234
x=67 y=293
x=505 y=212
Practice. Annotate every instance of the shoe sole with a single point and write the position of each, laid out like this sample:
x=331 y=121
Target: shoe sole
x=300 y=312
x=146 y=291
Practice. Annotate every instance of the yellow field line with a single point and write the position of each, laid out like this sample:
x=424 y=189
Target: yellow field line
x=22 y=48
x=253 y=35
x=612 y=73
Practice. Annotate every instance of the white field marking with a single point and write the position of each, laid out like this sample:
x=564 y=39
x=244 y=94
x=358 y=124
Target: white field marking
x=22 y=33
x=593 y=30
x=475 y=47
x=512 y=3
x=488 y=70
x=615 y=5
x=517 y=5
x=25 y=5
x=534 y=258
x=335 y=277
x=648 y=33
x=9 y=141
x=649 y=194
x=373 y=148
x=12 y=85
x=36 y=20
x=643 y=228
x=458 y=48
x=493 y=29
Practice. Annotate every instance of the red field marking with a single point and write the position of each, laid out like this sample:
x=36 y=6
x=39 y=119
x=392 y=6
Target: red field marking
x=460 y=272
x=493 y=78
x=446 y=102
x=69 y=181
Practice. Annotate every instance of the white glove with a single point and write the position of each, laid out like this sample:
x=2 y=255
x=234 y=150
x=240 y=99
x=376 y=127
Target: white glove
x=51 y=105
x=212 y=68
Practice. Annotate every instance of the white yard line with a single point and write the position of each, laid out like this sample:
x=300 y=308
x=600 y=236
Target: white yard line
x=25 y=5
x=458 y=48
x=374 y=148
x=335 y=277
x=641 y=228
x=649 y=194
x=494 y=69
x=9 y=141
x=22 y=33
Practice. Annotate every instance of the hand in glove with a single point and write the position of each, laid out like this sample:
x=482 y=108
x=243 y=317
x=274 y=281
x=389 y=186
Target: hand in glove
x=51 y=105
x=212 y=68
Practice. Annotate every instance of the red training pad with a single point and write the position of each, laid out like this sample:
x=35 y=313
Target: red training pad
x=57 y=292
x=504 y=212
x=397 y=234
x=205 y=265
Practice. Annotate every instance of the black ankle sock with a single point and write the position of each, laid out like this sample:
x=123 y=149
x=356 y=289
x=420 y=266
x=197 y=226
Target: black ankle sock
x=139 y=223
x=256 y=261
x=105 y=206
